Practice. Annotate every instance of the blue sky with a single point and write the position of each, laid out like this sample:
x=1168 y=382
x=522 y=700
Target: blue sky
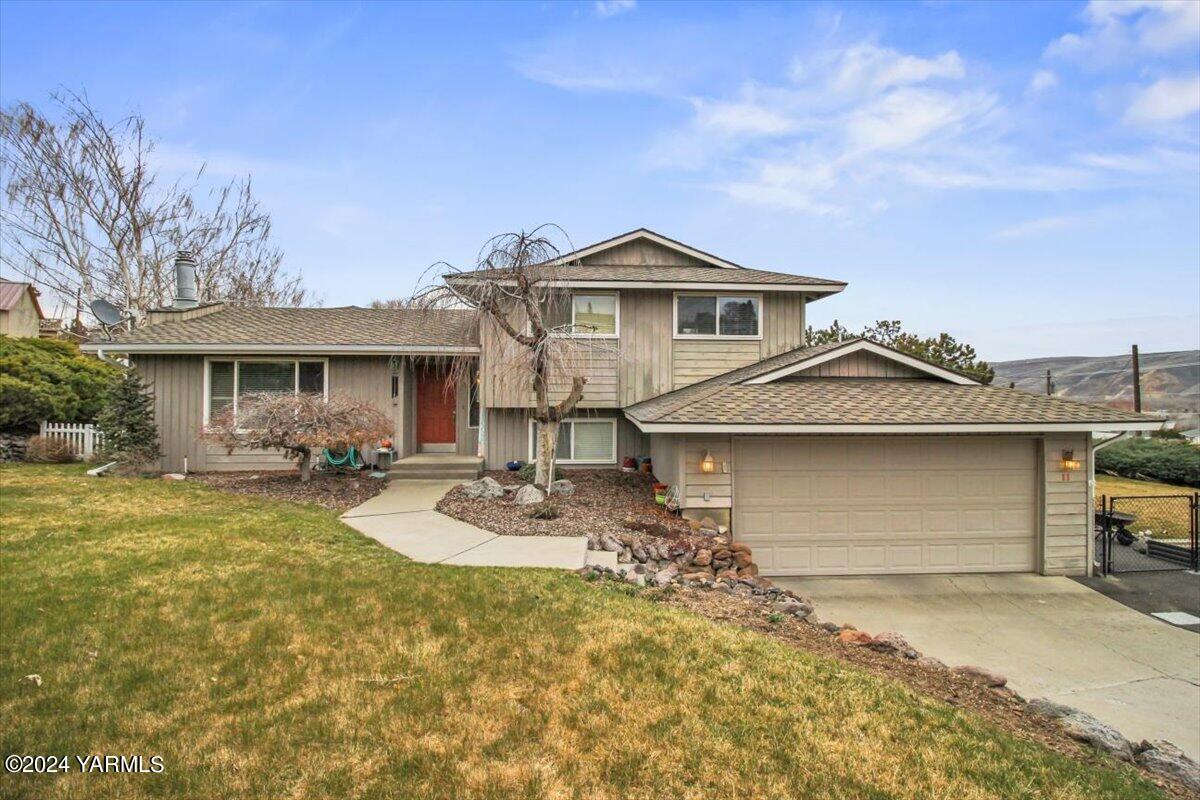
x=1026 y=176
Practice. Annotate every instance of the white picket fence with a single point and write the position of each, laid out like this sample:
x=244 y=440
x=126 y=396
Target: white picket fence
x=85 y=439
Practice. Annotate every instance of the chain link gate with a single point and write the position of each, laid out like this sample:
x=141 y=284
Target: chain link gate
x=1147 y=533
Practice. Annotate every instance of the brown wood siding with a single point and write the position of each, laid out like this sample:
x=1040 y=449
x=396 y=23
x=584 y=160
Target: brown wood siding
x=1067 y=507
x=861 y=365
x=719 y=484
x=645 y=367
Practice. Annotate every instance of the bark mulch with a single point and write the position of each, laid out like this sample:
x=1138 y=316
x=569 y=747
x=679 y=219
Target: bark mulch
x=1001 y=707
x=335 y=492
x=603 y=498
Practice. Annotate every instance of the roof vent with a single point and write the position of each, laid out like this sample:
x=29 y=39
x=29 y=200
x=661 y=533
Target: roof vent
x=185 y=280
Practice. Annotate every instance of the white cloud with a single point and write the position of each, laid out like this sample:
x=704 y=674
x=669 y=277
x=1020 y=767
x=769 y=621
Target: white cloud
x=610 y=8
x=1120 y=30
x=1042 y=80
x=740 y=118
x=908 y=116
x=869 y=67
x=1034 y=227
x=1152 y=161
x=1166 y=100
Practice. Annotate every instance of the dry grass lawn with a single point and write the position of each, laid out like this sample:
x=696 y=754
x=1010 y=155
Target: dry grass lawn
x=263 y=649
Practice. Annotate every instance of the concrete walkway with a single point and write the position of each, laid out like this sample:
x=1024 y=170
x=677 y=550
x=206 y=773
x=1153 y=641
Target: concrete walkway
x=1052 y=637
x=402 y=517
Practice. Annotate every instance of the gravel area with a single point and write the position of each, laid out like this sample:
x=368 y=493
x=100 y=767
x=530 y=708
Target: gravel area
x=603 y=498
x=335 y=492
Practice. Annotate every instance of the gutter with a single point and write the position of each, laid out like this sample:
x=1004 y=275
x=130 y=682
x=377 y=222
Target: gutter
x=288 y=349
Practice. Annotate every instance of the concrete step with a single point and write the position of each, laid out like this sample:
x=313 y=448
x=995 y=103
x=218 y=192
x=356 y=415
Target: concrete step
x=601 y=558
x=433 y=474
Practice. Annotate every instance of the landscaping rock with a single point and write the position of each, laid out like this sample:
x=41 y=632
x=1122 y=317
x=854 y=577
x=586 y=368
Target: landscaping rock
x=702 y=558
x=1166 y=760
x=666 y=575
x=1086 y=728
x=929 y=662
x=851 y=636
x=173 y=476
x=528 y=494
x=889 y=641
x=484 y=489
x=1049 y=708
x=561 y=486
x=985 y=676
x=831 y=627
x=609 y=544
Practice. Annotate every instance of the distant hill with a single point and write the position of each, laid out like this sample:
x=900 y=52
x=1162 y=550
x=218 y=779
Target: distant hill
x=1170 y=381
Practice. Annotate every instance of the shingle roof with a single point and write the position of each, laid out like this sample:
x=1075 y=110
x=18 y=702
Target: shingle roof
x=847 y=401
x=347 y=325
x=613 y=273
x=726 y=400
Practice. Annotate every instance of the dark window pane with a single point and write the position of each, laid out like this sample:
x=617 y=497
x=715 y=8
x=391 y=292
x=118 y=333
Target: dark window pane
x=312 y=377
x=220 y=387
x=697 y=314
x=266 y=377
x=562 y=449
x=739 y=316
x=473 y=403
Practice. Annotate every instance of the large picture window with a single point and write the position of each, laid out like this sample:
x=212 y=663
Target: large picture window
x=229 y=380
x=702 y=316
x=581 y=441
x=588 y=313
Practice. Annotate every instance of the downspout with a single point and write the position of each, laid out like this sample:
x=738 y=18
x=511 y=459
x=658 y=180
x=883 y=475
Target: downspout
x=1091 y=478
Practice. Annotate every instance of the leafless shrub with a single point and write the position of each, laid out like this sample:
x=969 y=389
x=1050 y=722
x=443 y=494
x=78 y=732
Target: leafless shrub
x=49 y=450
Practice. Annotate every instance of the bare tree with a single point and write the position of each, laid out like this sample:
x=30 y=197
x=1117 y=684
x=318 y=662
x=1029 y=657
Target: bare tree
x=516 y=293
x=86 y=213
x=299 y=424
x=395 y=302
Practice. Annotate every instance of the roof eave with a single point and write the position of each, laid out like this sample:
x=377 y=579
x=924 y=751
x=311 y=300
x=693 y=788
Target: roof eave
x=290 y=349
x=815 y=289
x=892 y=428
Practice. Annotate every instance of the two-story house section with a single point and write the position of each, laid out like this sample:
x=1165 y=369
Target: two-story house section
x=842 y=458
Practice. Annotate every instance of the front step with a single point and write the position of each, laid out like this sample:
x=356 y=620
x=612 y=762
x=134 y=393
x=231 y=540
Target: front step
x=433 y=475
x=436 y=466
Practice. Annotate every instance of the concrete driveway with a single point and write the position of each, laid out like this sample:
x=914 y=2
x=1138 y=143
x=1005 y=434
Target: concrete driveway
x=1052 y=637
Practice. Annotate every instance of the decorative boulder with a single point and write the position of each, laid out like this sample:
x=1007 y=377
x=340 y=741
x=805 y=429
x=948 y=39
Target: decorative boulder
x=561 y=486
x=929 y=662
x=1084 y=727
x=984 y=676
x=889 y=641
x=528 y=494
x=1167 y=760
x=484 y=489
x=851 y=636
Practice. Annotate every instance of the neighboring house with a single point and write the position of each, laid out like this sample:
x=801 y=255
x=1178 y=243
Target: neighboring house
x=20 y=312
x=846 y=458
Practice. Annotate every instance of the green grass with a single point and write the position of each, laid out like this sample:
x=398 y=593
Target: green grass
x=236 y=638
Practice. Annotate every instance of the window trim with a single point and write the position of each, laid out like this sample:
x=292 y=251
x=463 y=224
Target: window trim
x=610 y=421
x=762 y=310
x=235 y=360
x=571 y=299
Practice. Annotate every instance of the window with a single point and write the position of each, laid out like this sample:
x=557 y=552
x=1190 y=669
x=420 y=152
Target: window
x=229 y=381
x=712 y=315
x=589 y=313
x=581 y=441
x=594 y=314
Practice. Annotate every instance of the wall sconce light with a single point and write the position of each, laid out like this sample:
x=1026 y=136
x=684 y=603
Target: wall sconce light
x=1069 y=464
x=708 y=463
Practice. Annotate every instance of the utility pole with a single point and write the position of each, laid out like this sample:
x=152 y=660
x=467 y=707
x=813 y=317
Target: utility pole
x=1049 y=384
x=1137 y=382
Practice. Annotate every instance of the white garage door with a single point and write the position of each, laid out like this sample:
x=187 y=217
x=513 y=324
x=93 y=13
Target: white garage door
x=877 y=504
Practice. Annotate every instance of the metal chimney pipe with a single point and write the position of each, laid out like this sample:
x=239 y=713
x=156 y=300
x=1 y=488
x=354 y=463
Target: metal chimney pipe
x=185 y=280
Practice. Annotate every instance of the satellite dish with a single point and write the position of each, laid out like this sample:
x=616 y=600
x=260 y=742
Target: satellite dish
x=109 y=315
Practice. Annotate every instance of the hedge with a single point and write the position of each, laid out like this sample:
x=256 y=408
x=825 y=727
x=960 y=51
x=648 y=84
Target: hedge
x=49 y=379
x=1163 y=460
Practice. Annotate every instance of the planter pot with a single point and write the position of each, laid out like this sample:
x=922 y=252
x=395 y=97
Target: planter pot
x=513 y=466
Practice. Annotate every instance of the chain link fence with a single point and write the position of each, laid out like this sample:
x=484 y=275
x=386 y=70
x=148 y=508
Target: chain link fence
x=1147 y=533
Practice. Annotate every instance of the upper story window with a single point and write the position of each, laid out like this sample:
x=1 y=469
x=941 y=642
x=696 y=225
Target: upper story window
x=703 y=316
x=229 y=380
x=588 y=313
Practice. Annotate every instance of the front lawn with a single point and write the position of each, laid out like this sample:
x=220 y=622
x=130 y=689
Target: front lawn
x=1115 y=486
x=263 y=649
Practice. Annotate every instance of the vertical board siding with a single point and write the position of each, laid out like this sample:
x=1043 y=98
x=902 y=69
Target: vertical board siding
x=1067 y=509
x=783 y=322
x=645 y=368
x=861 y=365
x=642 y=252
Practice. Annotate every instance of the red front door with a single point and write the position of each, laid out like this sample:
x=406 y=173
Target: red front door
x=435 y=406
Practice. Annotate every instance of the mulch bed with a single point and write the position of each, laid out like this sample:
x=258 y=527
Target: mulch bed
x=335 y=492
x=602 y=499
x=1001 y=707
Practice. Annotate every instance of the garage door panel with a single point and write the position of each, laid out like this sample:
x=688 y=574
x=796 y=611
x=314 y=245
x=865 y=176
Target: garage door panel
x=886 y=504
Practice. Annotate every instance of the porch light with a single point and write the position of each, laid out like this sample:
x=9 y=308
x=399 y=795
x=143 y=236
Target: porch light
x=1069 y=463
x=708 y=463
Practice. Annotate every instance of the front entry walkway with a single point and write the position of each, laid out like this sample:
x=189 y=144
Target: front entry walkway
x=402 y=517
x=1052 y=637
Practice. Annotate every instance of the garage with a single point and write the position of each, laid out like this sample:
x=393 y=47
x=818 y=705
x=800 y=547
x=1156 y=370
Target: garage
x=855 y=505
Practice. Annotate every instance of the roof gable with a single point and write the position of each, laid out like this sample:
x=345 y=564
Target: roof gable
x=643 y=247
x=876 y=365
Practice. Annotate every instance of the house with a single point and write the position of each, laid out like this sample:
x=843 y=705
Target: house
x=842 y=458
x=20 y=312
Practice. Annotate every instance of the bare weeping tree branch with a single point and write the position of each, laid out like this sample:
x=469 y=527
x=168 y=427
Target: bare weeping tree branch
x=86 y=213
x=516 y=295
